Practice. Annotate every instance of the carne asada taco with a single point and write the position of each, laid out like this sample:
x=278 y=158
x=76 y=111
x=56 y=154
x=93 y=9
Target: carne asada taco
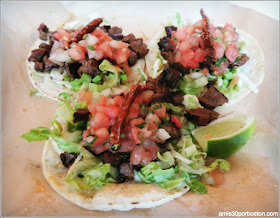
x=91 y=57
x=126 y=151
x=205 y=55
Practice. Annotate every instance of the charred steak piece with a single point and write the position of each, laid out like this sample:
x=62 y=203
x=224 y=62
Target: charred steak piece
x=39 y=66
x=172 y=76
x=243 y=59
x=129 y=38
x=105 y=28
x=166 y=44
x=139 y=48
x=177 y=97
x=43 y=32
x=212 y=98
x=48 y=64
x=113 y=159
x=116 y=33
x=201 y=116
x=90 y=67
x=67 y=159
x=37 y=54
x=169 y=30
x=81 y=115
x=132 y=58
x=46 y=46
x=72 y=69
x=126 y=170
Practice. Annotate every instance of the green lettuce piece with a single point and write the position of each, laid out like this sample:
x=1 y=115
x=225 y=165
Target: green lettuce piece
x=166 y=178
x=96 y=87
x=197 y=186
x=43 y=133
x=179 y=20
x=166 y=160
x=77 y=83
x=173 y=108
x=190 y=102
x=106 y=66
x=195 y=87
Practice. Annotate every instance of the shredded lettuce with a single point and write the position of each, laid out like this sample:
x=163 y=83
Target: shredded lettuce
x=190 y=102
x=196 y=87
x=179 y=20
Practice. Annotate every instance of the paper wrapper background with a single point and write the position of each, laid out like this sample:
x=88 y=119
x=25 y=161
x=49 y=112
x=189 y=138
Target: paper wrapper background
x=251 y=185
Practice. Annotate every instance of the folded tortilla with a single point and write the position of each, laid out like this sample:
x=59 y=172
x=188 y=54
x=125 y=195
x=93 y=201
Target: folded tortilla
x=251 y=74
x=124 y=196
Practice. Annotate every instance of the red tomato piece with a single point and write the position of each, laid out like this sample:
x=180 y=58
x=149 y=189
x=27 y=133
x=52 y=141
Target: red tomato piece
x=77 y=53
x=136 y=122
x=102 y=133
x=181 y=34
x=199 y=55
x=100 y=120
x=107 y=50
x=176 y=120
x=92 y=108
x=160 y=112
x=134 y=109
x=103 y=37
x=217 y=176
x=135 y=136
x=118 y=101
x=219 y=49
x=231 y=52
x=64 y=38
x=139 y=99
x=112 y=111
x=136 y=155
x=185 y=46
x=205 y=71
x=103 y=101
x=121 y=55
x=147 y=96
x=85 y=96
x=153 y=127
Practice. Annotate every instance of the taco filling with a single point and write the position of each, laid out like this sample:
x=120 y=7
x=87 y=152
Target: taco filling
x=93 y=54
x=205 y=54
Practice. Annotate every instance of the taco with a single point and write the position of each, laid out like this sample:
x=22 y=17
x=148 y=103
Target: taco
x=77 y=57
x=205 y=55
x=125 y=151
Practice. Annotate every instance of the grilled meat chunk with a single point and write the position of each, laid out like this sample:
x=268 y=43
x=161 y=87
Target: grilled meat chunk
x=212 y=98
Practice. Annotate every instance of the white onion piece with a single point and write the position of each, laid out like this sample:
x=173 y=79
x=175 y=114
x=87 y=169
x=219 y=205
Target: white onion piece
x=196 y=75
x=59 y=55
x=151 y=118
x=56 y=74
x=55 y=45
x=177 y=155
x=91 y=39
x=97 y=55
x=163 y=135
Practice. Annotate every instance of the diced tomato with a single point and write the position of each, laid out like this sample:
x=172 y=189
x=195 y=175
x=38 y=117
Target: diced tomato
x=131 y=116
x=200 y=41
x=139 y=99
x=127 y=145
x=151 y=146
x=231 y=52
x=190 y=29
x=194 y=41
x=199 y=55
x=136 y=122
x=100 y=148
x=218 y=33
x=185 y=45
x=197 y=25
x=228 y=26
x=103 y=101
x=147 y=96
x=153 y=127
x=136 y=155
x=147 y=157
x=84 y=45
x=107 y=50
x=135 y=108
x=205 y=71
x=217 y=176
x=160 y=112
x=85 y=96
x=152 y=118
x=186 y=58
x=230 y=36
x=145 y=133
x=102 y=133
x=121 y=55
x=64 y=38
x=181 y=34
x=117 y=101
x=126 y=67
x=77 y=53
x=85 y=134
x=103 y=37
x=135 y=136
x=112 y=111
x=100 y=120
x=219 y=49
x=92 y=108
x=176 y=120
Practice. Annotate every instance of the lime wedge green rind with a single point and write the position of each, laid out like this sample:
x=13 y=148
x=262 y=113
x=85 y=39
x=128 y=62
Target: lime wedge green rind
x=225 y=136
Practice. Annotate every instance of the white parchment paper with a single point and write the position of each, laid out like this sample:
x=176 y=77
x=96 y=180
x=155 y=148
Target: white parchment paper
x=252 y=184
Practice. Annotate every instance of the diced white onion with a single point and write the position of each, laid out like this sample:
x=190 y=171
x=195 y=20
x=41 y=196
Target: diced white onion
x=106 y=92
x=97 y=55
x=163 y=135
x=56 y=74
x=196 y=75
x=59 y=55
x=91 y=39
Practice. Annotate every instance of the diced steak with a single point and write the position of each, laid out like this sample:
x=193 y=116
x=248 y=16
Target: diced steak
x=177 y=97
x=169 y=30
x=166 y=44
x=48 y=64
x=113 y=159
x=39 y=66
x=201 y=116
x=243 y=59
x=43 y=32
x=72 y=69
x=132 y=58
x=212 y=98
x=116 y=33
x=129 y=38
x=126 y=170
x=46 y=46
x=81 y=115
x=90 y=67
x=37 y=54
x=171 y=76
x=139 y=48
x=105 y=28
x=67 y=159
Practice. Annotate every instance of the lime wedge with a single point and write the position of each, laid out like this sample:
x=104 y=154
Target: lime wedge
x=225 y=136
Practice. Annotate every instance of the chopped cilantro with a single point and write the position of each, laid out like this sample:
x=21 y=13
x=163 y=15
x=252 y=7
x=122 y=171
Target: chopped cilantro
x=141 y=126
x=123 y=77
x=91 y=47
x=106 y=141
x=146 y=110
x=116 y=147
x=220 y=60
x=92 y=141
x=156 y=106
